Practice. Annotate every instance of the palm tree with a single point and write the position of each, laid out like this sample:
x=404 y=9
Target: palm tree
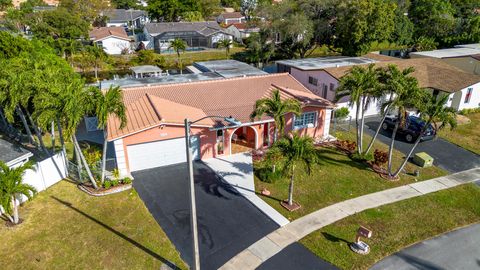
x=109 y=103
x=362 y=85
x=295 y=150
x=98 y=56
x=276 y=108
x=11 y=186
x=225 y=43
x=388 y=77
x=434 y=110
x=178 y=45
x=406 y=95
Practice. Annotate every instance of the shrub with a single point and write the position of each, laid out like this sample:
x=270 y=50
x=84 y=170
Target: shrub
x=116 y=173
x=347 y=145
x=107 y=184
x=362 y=157
x=115 y=182
x=268 y=176
x=342 y=112
x=380 y=157
x=127 y=180
x=469 y=111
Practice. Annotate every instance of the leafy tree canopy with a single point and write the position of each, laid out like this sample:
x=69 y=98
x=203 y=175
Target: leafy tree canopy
x=59 y=23
x=125 y=4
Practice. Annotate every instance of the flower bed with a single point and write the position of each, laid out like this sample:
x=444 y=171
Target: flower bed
x=101 y=191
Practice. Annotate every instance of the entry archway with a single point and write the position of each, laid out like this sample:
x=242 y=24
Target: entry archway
x=241 y=139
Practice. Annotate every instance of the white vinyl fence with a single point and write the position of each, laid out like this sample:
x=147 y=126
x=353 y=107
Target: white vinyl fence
x=47 y=173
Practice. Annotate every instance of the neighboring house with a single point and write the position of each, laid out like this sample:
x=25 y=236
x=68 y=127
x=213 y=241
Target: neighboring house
x=323 y=78
x=195 y=34
x=465 y=57
x=113 y=40
x=124 y=17
x=311 y=73
x=240 y=31
x=13 y=155
x=230 y=17
x=154 y=135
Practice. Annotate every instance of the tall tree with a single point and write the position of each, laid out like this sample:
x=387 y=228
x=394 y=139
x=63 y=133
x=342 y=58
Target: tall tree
x=225 y=43
x=59 y=23
x=295 y=150
x=170 y=10
x=248 y=8
x=108 y=104
x=11 y=186
x=277 y=108
x=362 y=86
x=178 y=45
x=433 y=18
x=125 y=4
x=4 y=4
x=361 y=22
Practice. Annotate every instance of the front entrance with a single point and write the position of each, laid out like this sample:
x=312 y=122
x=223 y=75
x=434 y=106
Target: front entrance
x=243 y=139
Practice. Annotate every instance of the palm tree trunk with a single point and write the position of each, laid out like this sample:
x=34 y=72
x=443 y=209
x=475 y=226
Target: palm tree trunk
x=358 y=127
x=4 y=120
x=53 y=137
x=290 y=187
x=15 y=210
x=377 y=132
x=417 y=141
x=87 y=168
x=390 y=150
x=38 y=133
x=96 y=71
x=79 y=163
x=104 y=156
x=362 y=125
x=60 y=135
x=25 y=125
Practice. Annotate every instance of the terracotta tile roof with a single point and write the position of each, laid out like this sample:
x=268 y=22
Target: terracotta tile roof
x=150 y=106
x=104 y=32
x=430 y=73
x=239 y=26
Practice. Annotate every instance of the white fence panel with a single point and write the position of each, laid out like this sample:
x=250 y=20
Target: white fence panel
x=47 y=173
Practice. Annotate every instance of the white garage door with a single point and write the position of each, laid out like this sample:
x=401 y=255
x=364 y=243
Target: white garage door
x=156 y=154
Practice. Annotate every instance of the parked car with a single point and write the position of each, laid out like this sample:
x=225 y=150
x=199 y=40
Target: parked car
x=412 y=129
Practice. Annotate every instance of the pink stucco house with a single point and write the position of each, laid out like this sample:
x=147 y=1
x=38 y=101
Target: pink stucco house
x=154 y=135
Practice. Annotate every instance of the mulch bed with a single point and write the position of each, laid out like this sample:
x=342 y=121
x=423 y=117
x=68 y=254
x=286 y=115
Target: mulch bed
x=101 y=191
x=295 y=206
x=10 y=224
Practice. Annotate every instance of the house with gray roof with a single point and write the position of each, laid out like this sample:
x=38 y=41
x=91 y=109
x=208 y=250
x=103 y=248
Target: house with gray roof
x=197 y=35
x=124 y=17
x=12 y=154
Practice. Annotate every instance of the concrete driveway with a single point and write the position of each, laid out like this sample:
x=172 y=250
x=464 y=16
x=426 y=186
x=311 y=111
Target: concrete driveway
x=459 y=249
x=227 y=223
x=446 y=155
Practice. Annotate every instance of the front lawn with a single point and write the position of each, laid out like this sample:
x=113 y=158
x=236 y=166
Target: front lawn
x=65 y=228
x=396 y=226
x=336 y=178
x=467 y=135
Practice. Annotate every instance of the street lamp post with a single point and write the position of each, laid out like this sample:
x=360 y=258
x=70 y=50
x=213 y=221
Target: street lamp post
x=193 y=205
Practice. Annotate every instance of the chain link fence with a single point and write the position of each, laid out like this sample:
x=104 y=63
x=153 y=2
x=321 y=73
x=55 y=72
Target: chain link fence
x=341 y=124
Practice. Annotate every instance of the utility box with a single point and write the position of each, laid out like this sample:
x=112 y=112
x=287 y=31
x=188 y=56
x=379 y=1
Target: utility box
x=423 y=160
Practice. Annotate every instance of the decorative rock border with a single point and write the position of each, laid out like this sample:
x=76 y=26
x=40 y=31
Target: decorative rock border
x=109 y=191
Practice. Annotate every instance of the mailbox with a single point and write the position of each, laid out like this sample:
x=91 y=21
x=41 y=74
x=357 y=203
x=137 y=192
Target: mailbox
x=364 y=232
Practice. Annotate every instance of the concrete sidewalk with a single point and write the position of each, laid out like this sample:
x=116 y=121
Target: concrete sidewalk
x=237 y=170
x=273 y=243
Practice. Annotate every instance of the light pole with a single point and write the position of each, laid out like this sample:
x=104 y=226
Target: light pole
x=193 y=205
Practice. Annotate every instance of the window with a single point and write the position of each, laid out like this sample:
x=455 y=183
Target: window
x=469 y=95
x=312 y=80
x=305 y=120
x=332 y=87
x=325 y=91
x=220 y=144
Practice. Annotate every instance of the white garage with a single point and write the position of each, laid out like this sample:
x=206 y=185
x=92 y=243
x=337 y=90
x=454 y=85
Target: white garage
x=160 y=153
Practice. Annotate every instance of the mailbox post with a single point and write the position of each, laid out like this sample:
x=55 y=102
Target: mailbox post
x=359 y=246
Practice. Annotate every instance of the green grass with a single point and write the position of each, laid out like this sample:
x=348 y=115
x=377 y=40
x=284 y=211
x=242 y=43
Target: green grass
x=334 y=179
x=467 y=135
x=84 y=232
x=396 y=226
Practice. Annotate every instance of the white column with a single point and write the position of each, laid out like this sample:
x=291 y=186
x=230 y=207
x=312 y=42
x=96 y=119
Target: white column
x=120 y=155
x=326 y=127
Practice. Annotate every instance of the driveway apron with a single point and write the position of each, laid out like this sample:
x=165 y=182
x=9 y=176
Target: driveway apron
x=227 y=222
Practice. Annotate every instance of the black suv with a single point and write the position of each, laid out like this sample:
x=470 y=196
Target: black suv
x=412 y=129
